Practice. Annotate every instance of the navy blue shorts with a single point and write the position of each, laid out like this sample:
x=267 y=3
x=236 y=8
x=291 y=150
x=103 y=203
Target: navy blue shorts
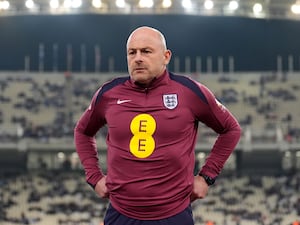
x=113 y=217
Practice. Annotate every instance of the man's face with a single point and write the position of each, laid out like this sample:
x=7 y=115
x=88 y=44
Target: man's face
x=147 y=56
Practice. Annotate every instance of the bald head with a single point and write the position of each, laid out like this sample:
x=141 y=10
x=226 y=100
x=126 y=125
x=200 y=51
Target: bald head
x=147 y=55
x=150 y=32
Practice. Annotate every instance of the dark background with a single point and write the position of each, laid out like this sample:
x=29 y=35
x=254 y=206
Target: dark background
x=254 y=43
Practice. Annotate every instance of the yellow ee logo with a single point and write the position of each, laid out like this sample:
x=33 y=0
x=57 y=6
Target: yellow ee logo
x=142 y=143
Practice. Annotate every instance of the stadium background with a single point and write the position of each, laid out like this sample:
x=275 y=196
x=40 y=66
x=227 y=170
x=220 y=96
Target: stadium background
x=255 y=44
x=69 y=56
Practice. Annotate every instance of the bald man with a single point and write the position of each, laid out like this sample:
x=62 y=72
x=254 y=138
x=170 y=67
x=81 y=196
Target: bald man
x=152 y=117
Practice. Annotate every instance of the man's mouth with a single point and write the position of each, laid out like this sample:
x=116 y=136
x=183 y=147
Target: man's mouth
x=139 y=69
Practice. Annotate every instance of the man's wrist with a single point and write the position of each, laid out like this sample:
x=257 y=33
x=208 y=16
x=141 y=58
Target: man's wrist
x=209 y=180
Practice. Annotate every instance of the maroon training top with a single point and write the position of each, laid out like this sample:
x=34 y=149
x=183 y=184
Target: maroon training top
x=151 y=142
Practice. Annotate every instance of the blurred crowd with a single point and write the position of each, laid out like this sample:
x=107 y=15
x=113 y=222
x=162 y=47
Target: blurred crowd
x=46 y=106
x=58 y=197
x=63 y=198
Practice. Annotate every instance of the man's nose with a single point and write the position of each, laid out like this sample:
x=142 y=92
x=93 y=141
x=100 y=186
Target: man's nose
x=138 y=56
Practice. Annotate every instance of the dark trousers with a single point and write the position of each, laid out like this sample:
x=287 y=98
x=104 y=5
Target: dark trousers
x=113 y=217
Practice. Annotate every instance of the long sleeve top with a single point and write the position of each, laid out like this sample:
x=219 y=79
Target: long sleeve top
x=151 y=140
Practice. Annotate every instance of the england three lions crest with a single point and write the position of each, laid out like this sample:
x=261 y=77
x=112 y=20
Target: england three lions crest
x=170 y=101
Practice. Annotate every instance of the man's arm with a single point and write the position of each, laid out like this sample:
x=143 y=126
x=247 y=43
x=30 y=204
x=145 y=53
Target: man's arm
x=222 y=121
x=88 y=155
x=85 y=142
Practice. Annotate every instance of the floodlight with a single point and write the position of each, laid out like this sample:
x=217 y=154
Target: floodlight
x=120 y=3
x=295 y=8
x=187 y=4
x=146 y=3
x=166 y=3
x=233 y=5
x=54 y=4
x=76 y=3
x=257 y=8
x=29 y=4
x=97 y=3
x=4 y=5
x=208 y=4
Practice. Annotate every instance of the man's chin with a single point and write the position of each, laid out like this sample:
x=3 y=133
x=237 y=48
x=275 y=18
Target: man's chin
x=139 y=77
x=141 y=80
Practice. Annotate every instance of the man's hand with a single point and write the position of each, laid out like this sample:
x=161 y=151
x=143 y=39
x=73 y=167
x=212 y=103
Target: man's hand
x=101 y=188
x=200 y=188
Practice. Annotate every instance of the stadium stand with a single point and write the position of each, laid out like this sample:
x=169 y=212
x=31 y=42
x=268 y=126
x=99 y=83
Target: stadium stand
x=38 y=105
x=37 y=116
x=63 y=198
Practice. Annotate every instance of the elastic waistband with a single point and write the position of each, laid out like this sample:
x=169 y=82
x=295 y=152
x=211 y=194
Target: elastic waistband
x=113 y=217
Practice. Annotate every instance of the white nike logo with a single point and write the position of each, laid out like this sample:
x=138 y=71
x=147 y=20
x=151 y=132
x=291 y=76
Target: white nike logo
x=123 y=101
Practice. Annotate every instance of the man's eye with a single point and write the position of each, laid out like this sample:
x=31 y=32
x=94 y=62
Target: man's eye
x=131 y=53
x=146 y=51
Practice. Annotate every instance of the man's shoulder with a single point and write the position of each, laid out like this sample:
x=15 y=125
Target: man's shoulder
x=116 y=81
x=110 y=84
x=190 y=84
x=182 y=78
x=113 y=83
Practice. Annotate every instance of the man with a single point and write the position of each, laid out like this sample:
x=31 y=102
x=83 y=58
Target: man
x=152 y=118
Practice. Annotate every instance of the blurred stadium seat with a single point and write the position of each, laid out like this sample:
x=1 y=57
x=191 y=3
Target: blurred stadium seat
x=37 y=122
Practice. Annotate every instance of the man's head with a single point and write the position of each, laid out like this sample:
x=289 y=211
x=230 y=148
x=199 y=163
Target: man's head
x=147 y=54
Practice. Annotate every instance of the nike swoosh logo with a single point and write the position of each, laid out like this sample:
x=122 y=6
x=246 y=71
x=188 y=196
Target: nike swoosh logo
x=123 y=101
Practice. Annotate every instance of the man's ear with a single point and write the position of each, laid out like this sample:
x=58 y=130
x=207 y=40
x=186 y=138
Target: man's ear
x=168 y=55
